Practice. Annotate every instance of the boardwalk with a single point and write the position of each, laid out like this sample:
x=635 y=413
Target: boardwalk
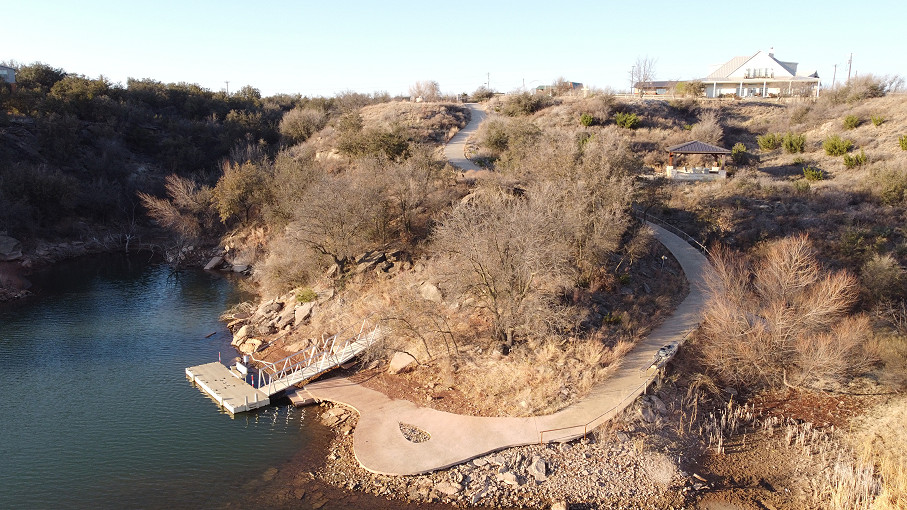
x=379 y=444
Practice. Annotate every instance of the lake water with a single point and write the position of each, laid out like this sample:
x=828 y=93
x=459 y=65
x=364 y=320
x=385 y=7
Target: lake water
x=96 y=411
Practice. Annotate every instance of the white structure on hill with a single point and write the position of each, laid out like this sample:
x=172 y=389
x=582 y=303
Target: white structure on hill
x=759 y=75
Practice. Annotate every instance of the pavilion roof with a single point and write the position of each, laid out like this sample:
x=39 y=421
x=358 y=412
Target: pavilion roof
x=697 y=147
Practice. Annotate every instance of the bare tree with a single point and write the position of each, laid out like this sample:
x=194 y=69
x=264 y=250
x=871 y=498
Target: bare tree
x=428 y=90
x=512 y=255
x=338 y=216
x=642 y=73
x=412 y=183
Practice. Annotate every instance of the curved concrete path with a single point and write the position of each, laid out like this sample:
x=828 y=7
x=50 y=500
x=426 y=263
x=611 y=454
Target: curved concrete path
x=455 y=150
x=380 y=446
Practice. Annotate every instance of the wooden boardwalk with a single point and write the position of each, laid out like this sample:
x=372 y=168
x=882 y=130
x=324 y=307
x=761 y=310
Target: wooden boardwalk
x=231 y=392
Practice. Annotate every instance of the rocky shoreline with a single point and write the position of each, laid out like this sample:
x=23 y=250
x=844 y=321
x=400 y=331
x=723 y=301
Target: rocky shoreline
x=619 y=467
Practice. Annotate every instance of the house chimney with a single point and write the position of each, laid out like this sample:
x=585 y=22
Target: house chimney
x=771 y=52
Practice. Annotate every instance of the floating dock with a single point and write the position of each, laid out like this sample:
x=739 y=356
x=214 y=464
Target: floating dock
x=231 y=392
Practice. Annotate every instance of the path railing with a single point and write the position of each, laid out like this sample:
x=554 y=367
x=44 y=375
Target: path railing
x=639 y=213
x=326 y=354
x=591 y=424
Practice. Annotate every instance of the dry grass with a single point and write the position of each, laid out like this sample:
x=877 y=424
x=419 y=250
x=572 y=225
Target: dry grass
x=425 y=122
x=880 y=436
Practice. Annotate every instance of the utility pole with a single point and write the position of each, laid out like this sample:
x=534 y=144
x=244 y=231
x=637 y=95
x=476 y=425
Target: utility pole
x=488 y=80
x=833 y=76
x=849 y=62
x=228 y=87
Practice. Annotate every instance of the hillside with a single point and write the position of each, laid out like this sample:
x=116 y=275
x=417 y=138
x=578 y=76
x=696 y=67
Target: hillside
x=829 y=305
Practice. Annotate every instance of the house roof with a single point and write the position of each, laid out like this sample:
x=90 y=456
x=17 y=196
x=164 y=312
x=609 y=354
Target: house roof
x=725 y=70
x=729 y=67
x=697 y=147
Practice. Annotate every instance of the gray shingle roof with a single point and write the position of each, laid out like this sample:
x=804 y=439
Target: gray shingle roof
x=697 y=147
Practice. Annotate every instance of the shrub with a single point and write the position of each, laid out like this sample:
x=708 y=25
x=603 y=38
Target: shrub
x=306 y=295
x=299 y=124
x=782 y=318
x=708 y=129
x=883 y=277
x=890 y=185
x=739 y=154
x=855 y=160
x=586 y=119
x=769 y=141
x=793 y=143
x=690 y=88
x=811 y=173
x=626 y=120
x=902 y=141
x=851 y=121
x=877 y=120
x=801 y=186
x=834 y=145
x=525 y=104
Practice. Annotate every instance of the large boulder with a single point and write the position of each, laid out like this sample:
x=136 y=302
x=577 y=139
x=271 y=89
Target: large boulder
x=10 y=249
x=400 y=362
x=302 y=313
x=430 y=292
x=241 y=335
x=249 y=346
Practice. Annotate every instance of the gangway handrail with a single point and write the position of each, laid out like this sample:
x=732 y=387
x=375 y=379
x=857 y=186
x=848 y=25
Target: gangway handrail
x=328 y=354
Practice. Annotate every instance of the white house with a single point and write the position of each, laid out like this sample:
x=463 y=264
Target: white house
x=760 y=75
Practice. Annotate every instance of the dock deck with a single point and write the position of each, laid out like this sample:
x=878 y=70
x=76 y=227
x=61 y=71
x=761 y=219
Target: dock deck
x=234 y=394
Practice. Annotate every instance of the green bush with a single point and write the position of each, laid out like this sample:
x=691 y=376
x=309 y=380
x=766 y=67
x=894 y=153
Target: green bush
x=586 y=119
x=793 y=143
x=890 y=185
x=801 y=186
x=902 y=141
x=851 y=121
x=739 y=154
x=834 y=145
x=626 y=120
x=306 y=295
x=525 y=104
x=855 y=160
x=877 y=120
x=811 y=173
x=769 y=141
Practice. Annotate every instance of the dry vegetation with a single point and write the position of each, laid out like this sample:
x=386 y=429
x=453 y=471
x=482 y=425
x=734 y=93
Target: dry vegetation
x=518 y=294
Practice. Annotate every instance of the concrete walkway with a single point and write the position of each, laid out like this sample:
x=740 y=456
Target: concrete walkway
x=379 y=444
x=455 y=150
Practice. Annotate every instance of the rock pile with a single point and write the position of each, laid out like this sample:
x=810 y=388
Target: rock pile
x=592 y=472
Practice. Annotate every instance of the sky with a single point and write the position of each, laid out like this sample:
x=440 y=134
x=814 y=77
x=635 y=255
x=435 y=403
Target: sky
x=322 y=48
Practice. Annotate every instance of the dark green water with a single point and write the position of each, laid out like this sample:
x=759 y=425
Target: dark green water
x=96 y=411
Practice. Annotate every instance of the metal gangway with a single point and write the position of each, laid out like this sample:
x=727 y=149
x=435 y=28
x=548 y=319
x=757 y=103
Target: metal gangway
x=274 y=377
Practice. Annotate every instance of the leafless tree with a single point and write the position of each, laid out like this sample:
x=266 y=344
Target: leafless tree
x=642 y=73
x=428 y=90
x=338 y=216
x=512 y=255
x=412 y=183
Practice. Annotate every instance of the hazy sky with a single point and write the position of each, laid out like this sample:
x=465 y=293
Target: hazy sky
x=321 y=48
